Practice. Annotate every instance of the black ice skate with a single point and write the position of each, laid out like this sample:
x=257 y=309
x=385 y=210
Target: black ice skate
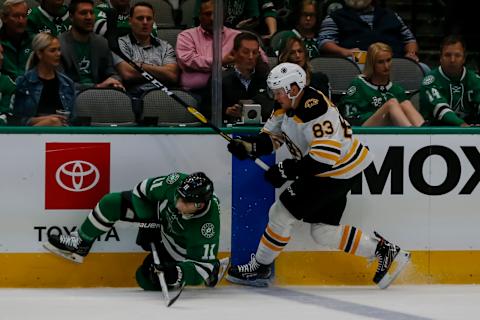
x=251 y=274
x=388 y=253
x=70 y=247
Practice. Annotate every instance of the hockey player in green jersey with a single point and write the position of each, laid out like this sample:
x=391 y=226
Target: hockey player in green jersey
x=51 y=17
x=450 y=93
x=184 y=214
x=325 y=158
x=373 y=100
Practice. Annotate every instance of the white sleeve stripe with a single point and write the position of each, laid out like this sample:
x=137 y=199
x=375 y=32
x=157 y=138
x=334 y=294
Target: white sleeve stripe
x=202 y=272
x=206 y=265
x=437 y=110
x=176 y=256
x=179 y=249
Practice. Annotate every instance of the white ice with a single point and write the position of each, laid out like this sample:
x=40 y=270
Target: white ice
x=243 y=303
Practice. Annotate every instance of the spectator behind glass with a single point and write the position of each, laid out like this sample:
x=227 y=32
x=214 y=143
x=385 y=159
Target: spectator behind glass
x=86 y=58
x=306 y=28
x=373 y=100
x=195 y=54
x=50 y=17
x=238 y=14
x=155 y=56
x=14 y=39
x=246 y=80
x=358 y=24
x=450 y=93
x=295 y=52
x=42 y=90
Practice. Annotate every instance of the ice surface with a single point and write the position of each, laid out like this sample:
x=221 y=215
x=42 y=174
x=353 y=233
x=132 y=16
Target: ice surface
x=243 y=303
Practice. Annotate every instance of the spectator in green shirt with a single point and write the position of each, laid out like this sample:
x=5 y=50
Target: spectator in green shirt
x=14 y=38
x=7 y=89
x=450 y=93
x=50 y=17
x=373 y=100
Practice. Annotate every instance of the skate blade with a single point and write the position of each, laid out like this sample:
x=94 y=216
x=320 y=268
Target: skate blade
x=224 y=263
x=64 y=254
x=401 y=260
x=261 y=283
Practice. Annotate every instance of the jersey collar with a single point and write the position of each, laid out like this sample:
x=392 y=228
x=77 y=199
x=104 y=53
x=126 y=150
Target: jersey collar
x=374 y=86
x=464 y=73
x=52 y=18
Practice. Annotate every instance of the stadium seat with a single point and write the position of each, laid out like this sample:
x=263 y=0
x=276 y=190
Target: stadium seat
x=415 y=100
x=163 y=12
x=340 y=72
x=103 y=107
x=169 y=35
x=407 y=73
x=162 y=110
x=188 y=11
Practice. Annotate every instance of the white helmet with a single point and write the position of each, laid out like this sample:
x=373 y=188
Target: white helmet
x=284 y=74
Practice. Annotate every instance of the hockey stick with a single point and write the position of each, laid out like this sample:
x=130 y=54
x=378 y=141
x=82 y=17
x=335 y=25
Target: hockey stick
x=113 y=44
x=163 y=283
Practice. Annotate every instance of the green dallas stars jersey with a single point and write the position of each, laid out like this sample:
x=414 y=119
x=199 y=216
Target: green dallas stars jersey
x=447 y=101
x=40 y=20
x=7 y=89
x=364 y=98
x=193 y=243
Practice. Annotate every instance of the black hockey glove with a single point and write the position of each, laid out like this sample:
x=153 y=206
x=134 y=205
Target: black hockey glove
x=173 y=273
x=240 y=149
x=285 y=170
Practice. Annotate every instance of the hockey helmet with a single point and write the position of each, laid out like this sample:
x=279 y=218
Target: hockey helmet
x=284 y=75
x=196 y=187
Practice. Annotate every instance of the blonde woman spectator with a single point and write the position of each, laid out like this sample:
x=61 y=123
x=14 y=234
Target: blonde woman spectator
x=373 y=100
x=42 y=91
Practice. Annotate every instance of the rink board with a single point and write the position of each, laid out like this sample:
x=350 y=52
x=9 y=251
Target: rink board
x=424 y=196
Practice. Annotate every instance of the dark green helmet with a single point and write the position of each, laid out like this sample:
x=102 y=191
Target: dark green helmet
x=197 y=188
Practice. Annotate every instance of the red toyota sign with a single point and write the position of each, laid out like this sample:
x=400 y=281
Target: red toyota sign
x=77 y=175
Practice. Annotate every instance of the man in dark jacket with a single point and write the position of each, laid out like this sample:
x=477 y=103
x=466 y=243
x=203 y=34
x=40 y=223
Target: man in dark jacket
x=358 y=24
x=86 y=58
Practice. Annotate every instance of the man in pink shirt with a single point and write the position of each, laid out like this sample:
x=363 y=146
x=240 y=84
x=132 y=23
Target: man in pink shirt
x=195 y=53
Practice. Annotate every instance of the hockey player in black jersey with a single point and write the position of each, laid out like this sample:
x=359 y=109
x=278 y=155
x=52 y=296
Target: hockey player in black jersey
x=325 y=158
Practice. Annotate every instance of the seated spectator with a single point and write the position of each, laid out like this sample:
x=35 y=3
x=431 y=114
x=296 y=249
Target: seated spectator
x=450 y=93
x=112 y=14
x=295 y=52
x=373 y=100
x=358 y=24
x=195 y=54
x=43 y=91
x=14 y=38
x=238 y=14
x=306 y=28
x=51 y=17
x=155 y=56
x=7 y=90
x=86 y=58
x=246 y=80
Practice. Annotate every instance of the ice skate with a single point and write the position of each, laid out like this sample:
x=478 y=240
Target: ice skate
x=70 y=247
x=250 y=274
x=389 y=255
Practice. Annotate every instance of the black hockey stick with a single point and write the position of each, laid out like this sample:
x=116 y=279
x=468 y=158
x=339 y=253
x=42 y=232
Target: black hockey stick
x=113 y=44
x=163 y=284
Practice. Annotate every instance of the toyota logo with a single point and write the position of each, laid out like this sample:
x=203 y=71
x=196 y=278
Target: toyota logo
x=79 y=176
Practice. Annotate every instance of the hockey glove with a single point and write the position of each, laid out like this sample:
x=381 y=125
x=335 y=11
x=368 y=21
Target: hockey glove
x=173 y=273
x=240 y=149
x=285 y=170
